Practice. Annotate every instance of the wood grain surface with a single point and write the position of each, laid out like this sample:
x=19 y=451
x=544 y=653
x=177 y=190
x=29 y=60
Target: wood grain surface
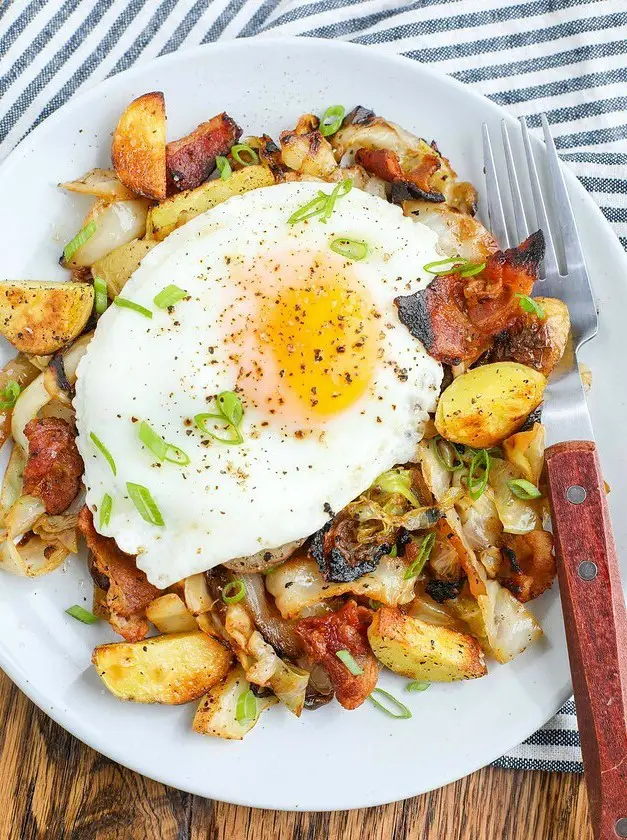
x=54 y=788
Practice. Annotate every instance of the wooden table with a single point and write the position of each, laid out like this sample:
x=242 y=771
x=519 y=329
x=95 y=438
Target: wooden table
x=54 y=788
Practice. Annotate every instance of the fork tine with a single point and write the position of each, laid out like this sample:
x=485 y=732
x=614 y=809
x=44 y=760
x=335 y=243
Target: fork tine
x=495 y=204
x=550 y=257
x=565 y=217
x=522 y=228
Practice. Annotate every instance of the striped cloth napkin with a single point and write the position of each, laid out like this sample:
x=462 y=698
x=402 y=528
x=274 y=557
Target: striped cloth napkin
x=563 y=57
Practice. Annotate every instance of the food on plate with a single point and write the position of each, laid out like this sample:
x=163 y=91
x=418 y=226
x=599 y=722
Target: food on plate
x=288 y=400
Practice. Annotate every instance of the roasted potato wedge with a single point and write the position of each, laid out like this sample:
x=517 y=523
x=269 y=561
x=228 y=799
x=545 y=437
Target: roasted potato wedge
x=138 y=147
x=170 y=615
x=489 y=403
x=39 y=317
x=175 y=211
x=216 y=714
x=101 y=183
x=172 y=669
x=116 y=268
x=421 y=651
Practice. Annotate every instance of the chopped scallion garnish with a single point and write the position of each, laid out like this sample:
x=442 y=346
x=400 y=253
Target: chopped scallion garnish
x=347 y=659
x=231 y=407
x=528 y=304
x=105 y=509
x=246 y=708
x=160 y=448
x=169 y=296
x=523 y=489
x=322 y=205
x=81 y=614
x=454 y=265
x=478 y=474
x=352 y=249
x=233 y=592
x=104 y=451
x=447 y=455
x=418 y=685
x=79 y=240
x=145 y=504
x=230 y=417
x=426 y=546
x=403 y=711
x=102 y=299
x=125 y=303
x=9 y=395
x=244 y=148
x=471 y=269
x=223 y=167
x=340 y=190
x=331 y=120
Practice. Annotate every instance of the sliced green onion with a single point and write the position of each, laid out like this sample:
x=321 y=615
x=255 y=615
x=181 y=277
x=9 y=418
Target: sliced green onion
x=403 y=711
x=145 y=504
x=347 y=659
x=374 y=605
x=523 y=489
x=352 y=249
x=224 y=167
x=339 y=191
x=105 y=509
x=478 y=474
x=237 y=150
x=528 y=304
x=201 y=421
x=233 y=592
x=169 y=296
x=160 y=448
x=426 y=546
x=124 y=303
x=471 y=269
x=447 y=455
x=331 y=120
x=102 y=299
x=81 y=614
x=397 y=481
x=230 y=406
x=418 y=685
x=313 y=208
x=246 y=709
x=8 y=397
x=444 y=266
x=105 y=452
x=79 y=240
x=394 y=551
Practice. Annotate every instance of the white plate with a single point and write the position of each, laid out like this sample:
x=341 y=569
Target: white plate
x=329 y=759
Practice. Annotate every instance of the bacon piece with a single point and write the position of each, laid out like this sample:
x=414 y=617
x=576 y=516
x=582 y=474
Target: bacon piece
x=345 y=629
x=128 y=590
x=530 y=565
x=380 y=162
x=457 y=317
x=385 y=164
x=192 y=159
x=54 y=467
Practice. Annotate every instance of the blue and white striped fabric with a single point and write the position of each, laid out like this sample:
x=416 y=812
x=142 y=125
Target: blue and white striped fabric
x=564 y=57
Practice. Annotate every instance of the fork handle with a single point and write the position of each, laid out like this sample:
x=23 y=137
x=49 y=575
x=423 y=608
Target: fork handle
x=596 y=627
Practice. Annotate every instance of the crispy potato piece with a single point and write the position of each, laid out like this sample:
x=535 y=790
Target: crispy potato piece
x=102 y=183
x=172 y=669
x=216 y=714
x=39 y=317
x=116 y=268
x=170 y=615
x=192 y=159
x=489 y=403
x=138 y=148
x=175 y=211
x=413 y=648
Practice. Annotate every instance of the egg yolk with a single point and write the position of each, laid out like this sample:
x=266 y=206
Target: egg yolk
x=312 y=345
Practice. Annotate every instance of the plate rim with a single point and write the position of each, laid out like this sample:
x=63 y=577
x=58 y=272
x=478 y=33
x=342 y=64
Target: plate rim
x=28 y=145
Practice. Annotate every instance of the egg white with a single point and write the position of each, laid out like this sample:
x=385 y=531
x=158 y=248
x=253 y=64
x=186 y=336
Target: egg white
x=233 y=501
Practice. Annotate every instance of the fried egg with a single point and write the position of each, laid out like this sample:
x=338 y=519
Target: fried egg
x=334 y=389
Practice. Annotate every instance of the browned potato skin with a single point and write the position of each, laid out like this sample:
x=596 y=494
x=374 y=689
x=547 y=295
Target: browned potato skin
x=116 y=268
x=40 y=318
x=172 y=669
x=413 y=648
x=138 y=150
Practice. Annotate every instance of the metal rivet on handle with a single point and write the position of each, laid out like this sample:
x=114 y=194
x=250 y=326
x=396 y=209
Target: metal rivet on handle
x=621 y=827
x=588 y=571
x=576 y=494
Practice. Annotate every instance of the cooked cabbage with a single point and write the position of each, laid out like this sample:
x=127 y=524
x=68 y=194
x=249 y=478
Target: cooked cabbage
x=519 y=516
x=525 y=450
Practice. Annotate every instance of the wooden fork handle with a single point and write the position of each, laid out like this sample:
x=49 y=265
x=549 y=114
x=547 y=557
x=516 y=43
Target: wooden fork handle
x=596 y=627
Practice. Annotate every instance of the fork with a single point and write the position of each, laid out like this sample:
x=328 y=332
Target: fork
x=592 y=597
